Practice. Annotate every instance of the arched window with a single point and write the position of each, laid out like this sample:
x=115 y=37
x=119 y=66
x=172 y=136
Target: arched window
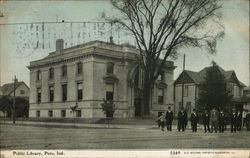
x=51 y=73
x=110 y=68
x=79 y=68
x=38 y=75
x=64 y=71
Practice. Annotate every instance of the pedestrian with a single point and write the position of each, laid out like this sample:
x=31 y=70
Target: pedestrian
x=221 y=121
x=247 y=120
x=214 y=120
x=169 y=118
x=244 y=113
x=181 y=120
x=161 y=121
x=233 y=120
x=194 y=120
x=206 y=120
x=239 y=121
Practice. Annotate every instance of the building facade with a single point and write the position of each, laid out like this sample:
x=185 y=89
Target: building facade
x=86 y=74
x=190 y=81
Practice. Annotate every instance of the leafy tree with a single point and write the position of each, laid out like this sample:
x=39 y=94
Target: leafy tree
x=5 y=105
x=162 y=27
x=214 y=92
x=108 y=107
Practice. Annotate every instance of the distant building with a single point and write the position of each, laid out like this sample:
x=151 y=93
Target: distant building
x=192 y=80
x=85 y=74
x=22 y=91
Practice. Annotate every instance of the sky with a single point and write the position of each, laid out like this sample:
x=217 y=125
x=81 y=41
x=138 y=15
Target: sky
x=24 y=38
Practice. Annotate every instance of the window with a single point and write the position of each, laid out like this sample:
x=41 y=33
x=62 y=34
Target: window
x=110 y=68
x=50 y=113
x=39 y=95
x=63 y=113
x=160 y=95
x=180 y=105
x=185 y=91
x=38 y=75
x=64 y=92
x=79 y=68
x=161 y=76
x=51 y=93
x=51 y=73
x=37 y=113
x=79 y=91
x=64 y=71
x=188 y=106
x=22 y=92
x=78 y=113
x=109 y=92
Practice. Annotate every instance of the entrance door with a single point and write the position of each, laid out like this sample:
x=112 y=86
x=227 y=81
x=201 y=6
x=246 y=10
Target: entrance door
x=137 y=104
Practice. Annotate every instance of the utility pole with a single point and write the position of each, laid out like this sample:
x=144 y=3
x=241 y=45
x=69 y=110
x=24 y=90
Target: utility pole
x=182 y=88
x=14 y=102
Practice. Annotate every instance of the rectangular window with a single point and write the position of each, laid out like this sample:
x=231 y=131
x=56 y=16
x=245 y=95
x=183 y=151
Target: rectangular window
x=185 y=91
x=78 y=113
x=109 y=92
x=51 y=93
x=63 y=113
x=79 y=91
x=180 y=105
x=22 y=92
x=37 y=113
x=188 y=106
x=50 y=113
x=64 y=71
x=161 y=77
x=64 y=92
x=160 y=95
x=79 y=68
x=39 y=95
x=110 y=68
x=38 y=75
x=51 y=73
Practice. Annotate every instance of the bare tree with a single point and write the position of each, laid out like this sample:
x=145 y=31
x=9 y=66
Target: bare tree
x=161 y=27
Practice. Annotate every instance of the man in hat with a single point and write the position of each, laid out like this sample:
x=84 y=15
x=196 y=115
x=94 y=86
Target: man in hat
x=181 y=120
x=206 y=120
x=239 y=120
x=214 y=120
x=247 y=120
x=221 y=121
x=233 y=119
x=169 y=119
x=194 y=120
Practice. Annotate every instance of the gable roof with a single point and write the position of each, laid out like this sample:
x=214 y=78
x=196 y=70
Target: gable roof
x=199 y=77
x=8 y=88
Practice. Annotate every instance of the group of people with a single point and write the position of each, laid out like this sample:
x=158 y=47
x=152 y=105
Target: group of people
x=213 y=121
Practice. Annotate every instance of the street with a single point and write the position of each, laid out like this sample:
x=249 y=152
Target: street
x=30 y=137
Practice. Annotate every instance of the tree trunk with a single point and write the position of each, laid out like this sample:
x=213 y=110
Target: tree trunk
x=146 y=98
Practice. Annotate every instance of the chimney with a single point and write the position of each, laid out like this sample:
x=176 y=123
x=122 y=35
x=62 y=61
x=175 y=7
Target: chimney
x=59 y=45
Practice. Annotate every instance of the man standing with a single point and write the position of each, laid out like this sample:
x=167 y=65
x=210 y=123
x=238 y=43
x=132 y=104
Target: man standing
x=206 y=120
x=214 y=120
x=169 y=119
x=239 y=121
x=247 y=120
x=221 y=121
x=233 y=121
x=181 y=120
x=194 y=121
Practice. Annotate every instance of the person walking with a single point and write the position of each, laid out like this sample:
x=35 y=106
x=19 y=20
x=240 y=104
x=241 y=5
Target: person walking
x=233 y=119
x=169 y=119
x=239 y=121
x=194 y=120
x=221 y=121
x=247 y=120
x=161 y=121
x=214 y=120
x=181 y=120
x=206 y=120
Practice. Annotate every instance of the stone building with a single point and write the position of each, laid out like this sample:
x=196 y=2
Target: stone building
x=86 y=74
x=191 y=81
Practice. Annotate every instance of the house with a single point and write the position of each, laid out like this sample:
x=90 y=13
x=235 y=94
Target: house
x=191 y=81
x=21 y=91
x=80 y=77
x=246 y=96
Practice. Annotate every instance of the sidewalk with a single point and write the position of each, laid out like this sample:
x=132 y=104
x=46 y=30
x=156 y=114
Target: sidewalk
x=86 y=125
